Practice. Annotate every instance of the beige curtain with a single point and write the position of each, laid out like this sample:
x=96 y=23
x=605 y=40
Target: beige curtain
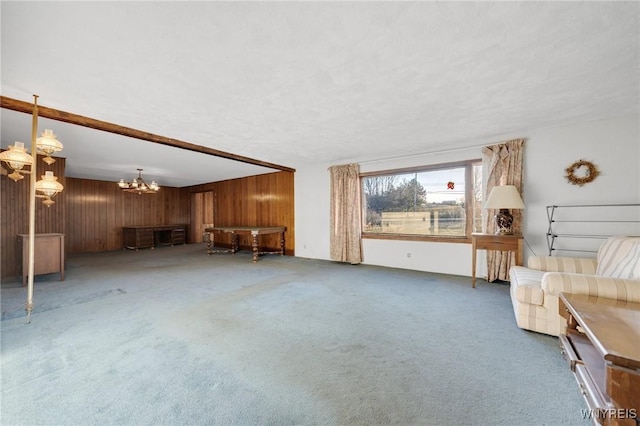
x=346 y=245
x=503 y=164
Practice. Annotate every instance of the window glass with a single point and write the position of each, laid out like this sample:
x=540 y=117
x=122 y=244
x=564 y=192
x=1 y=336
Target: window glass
x=429 y=202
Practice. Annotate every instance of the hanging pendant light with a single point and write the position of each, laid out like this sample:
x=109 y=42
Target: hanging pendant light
x=49 y=186
x=16 y=157
x=47 y=144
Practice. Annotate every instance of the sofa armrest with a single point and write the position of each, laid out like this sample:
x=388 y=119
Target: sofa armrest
x=554 y=283
x=579 y=265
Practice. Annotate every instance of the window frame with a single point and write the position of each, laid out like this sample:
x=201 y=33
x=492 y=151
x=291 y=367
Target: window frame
x=468 y=195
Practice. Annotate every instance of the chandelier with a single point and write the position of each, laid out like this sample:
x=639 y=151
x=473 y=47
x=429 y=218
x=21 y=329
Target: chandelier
x=138 y=185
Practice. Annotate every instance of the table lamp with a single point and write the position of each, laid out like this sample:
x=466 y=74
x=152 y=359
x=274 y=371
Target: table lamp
x=503 y=198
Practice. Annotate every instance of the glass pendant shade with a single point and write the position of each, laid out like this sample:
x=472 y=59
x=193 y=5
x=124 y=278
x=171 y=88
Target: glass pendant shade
x=48 y=144
x=16 y=157
x=49 y=185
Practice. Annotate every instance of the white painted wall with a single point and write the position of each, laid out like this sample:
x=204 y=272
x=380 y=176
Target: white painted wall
x=613 y=145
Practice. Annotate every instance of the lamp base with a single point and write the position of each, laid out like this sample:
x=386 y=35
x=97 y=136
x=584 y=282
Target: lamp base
x=504 y=222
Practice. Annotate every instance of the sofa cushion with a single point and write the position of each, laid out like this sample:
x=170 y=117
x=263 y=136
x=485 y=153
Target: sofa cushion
x=580 y=265
x=526 y=284
x=619 y=257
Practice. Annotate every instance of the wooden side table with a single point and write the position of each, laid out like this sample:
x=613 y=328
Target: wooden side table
x=495 y=242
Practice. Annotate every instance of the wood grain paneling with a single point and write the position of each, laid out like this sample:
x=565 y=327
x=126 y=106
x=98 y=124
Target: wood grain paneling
x=92 y=213
x=261 y=200
x=97 y=211
x=14 y=209
x=201 y=214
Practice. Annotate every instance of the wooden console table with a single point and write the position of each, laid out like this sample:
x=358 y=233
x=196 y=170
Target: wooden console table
x=48 y=254
x=236 y=231
x=137 y=237
x=494 y=242
x=602 y=347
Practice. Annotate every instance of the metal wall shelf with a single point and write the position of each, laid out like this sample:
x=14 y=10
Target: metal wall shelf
x=592 y=222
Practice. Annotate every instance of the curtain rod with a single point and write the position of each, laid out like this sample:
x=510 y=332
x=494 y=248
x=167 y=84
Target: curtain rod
x=432 y=152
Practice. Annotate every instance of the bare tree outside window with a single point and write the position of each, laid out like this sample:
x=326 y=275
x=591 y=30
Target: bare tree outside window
x=427 y=202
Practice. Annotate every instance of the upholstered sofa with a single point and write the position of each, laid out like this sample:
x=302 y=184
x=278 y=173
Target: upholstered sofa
x=535 y=289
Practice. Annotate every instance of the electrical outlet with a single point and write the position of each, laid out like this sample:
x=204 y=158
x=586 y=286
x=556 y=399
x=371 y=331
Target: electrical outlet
x=408 y=254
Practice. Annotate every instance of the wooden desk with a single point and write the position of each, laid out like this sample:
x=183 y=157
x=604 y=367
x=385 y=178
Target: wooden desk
x=137 y=237
x=601 y=347
x=254 y=231
x=48 y=254
x=495 y=242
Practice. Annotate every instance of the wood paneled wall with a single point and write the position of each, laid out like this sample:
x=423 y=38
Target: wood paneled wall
x=202 y=204
x=14 y=209
x=92 y=213
x=261 y=200
x=97 y=211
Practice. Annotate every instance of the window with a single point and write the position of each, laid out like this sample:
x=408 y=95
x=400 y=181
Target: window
x=441 y=202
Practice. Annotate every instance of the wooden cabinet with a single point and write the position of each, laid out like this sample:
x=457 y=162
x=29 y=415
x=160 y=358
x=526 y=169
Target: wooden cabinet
x=48 y=255
x=178 y=235
x=137 y=237
x=601 y=348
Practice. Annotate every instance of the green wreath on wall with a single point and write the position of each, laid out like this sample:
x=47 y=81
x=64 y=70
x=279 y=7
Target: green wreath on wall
x=591 y=172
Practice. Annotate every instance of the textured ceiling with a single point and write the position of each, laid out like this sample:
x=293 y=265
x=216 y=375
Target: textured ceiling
x=311 y=82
